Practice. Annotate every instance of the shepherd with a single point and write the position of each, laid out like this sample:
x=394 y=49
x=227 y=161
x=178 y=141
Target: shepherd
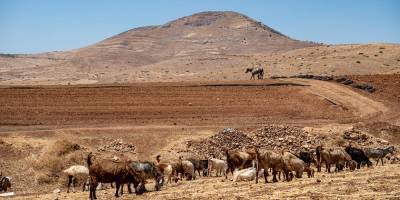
x=256 y=71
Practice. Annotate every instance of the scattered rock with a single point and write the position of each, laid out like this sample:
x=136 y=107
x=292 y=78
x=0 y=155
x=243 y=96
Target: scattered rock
x=118 y=146
x=273 y=137
x=347 y=82
x=384 y=142
x=364 y=86
x=56 y=191
x=339 y=80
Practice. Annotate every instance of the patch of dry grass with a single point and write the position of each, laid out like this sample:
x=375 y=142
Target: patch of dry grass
x=55 y=158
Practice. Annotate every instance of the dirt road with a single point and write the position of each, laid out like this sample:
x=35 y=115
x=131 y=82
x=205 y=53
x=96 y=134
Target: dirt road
x=344 y=97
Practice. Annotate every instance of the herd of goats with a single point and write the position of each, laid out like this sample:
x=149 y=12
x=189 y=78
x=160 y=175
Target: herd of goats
x=245 y=165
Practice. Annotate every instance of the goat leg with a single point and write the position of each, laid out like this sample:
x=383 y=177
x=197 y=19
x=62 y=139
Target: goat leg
x=266 y=175
x=93 y=186
x=129 y=188
x=256 y=176
x=69 y=182
x=84 y=186
x=117 y=185
x=73 y=183
x=122 y=189
x=274 y=176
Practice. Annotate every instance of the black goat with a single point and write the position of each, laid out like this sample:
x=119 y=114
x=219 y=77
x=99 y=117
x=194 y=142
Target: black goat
x=379 y=153
x=358 y=155
x=200 y=165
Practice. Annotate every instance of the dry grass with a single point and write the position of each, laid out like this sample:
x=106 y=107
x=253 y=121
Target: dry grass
x=55 y=158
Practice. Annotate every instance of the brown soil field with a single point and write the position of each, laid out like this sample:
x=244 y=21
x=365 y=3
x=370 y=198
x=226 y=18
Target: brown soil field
x=188 y=104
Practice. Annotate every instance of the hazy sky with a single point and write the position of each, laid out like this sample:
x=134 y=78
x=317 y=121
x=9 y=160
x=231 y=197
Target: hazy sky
x=31 y=26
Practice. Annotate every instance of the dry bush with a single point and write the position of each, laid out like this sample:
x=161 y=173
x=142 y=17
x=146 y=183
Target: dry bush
x=63 y=147
x=43 y=178
x=60 y=155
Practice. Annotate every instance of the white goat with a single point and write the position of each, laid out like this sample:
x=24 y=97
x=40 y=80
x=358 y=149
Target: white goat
x=76 y=171
x=247 y=174
x=218 y=165
x=168 y=173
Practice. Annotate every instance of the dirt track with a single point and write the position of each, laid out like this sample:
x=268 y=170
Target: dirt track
x=344 y=97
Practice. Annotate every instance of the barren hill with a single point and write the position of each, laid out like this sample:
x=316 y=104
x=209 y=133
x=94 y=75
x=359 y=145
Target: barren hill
x=201 y=47
x=206 y=33
x=212 y=33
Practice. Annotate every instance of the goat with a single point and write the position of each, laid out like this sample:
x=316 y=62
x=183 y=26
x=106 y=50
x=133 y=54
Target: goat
x=185 y=168
x=307 y=157
x=358 y=155
x=148 y=170
x=170 y=170
x=218 y=165
x=379 y=153
x=309 y=170
x=238 y=159
x=166 y=170
x=107 y=171
x=269 y=159
x=5 y=183
x=247 y=174
x=331 y=156
x=200 y=165
x=74 y=172
x=293 y=163
x=352 y=165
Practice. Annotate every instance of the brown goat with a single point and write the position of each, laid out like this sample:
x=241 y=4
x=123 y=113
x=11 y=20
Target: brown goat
x=166 y=170
x=293 y=163
x=352 y=165
x=170 y=170
x=185 y=168
x=269 y=159
x=108 y=171
x=239 y=160
x=309 y=170
x=331 y=156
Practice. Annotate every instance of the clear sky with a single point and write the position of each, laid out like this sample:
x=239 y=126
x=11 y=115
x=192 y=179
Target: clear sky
x=32 y=26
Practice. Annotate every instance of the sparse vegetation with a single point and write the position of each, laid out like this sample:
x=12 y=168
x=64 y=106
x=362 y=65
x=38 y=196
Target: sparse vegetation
x=8 y=55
